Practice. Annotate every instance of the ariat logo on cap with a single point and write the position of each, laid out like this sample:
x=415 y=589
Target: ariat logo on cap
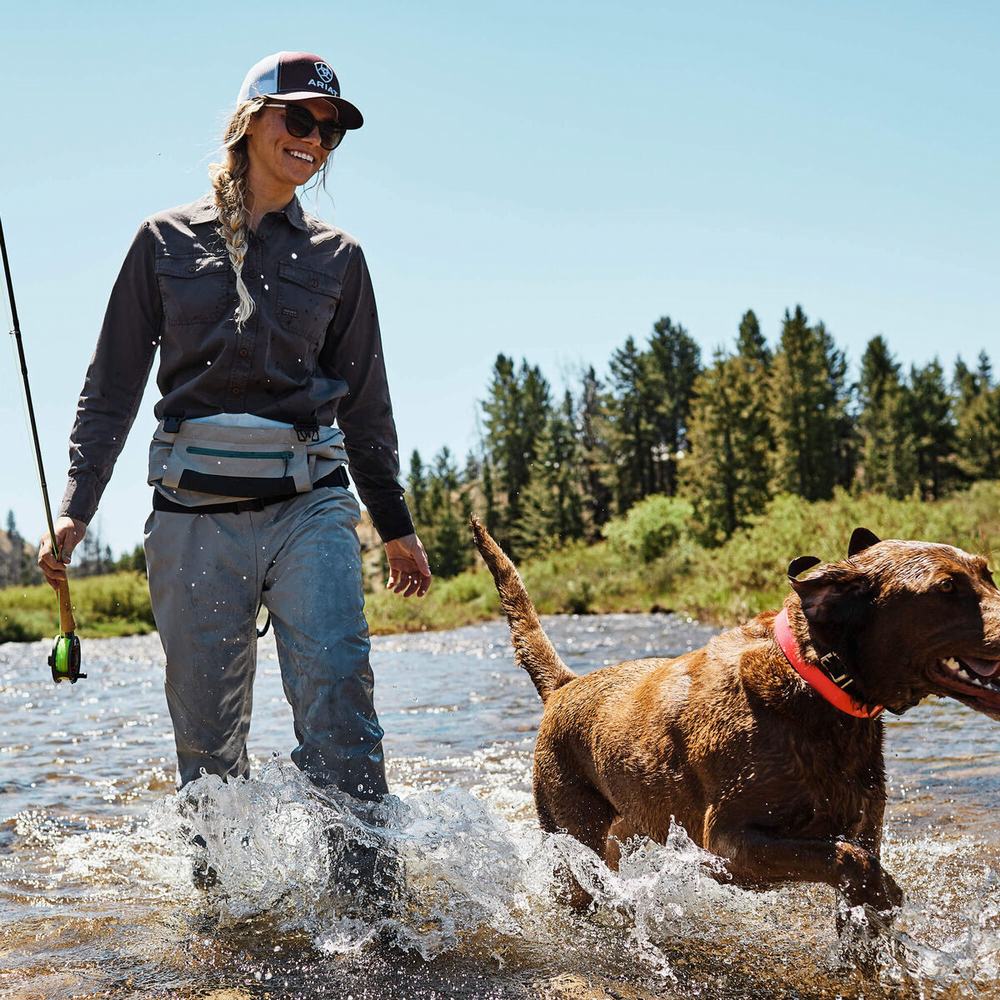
x=325 y=75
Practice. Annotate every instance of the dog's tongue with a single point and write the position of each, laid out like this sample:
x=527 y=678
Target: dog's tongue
x=985 y=668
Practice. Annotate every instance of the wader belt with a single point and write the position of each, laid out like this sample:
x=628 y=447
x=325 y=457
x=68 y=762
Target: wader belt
x=336 y=478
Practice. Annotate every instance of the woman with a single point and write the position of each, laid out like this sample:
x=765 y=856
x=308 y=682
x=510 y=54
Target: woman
x=267 y=329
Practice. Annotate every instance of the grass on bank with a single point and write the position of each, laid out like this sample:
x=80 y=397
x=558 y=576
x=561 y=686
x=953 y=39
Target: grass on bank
x=650 y=563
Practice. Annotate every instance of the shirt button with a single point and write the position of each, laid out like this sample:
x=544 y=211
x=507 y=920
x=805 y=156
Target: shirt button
x=235 y=390
x=244 y=352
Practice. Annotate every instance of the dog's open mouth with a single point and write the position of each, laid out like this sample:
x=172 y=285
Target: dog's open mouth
x=971 y=680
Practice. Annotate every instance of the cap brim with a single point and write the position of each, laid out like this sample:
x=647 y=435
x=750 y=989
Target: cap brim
x=348 y=116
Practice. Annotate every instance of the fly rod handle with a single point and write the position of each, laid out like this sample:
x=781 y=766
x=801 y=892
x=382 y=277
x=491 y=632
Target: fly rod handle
x=67 y=622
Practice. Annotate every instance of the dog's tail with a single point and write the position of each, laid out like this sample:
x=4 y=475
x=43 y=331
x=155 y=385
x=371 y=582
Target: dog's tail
x=532 y=648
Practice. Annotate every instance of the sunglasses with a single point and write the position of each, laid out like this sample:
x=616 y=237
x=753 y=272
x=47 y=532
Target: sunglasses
x=299 y=123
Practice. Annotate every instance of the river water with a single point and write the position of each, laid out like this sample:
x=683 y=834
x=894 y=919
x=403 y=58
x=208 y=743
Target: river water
x=96 y=898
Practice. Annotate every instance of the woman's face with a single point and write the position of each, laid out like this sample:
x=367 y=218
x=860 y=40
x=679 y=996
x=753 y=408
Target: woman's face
x=281 y=158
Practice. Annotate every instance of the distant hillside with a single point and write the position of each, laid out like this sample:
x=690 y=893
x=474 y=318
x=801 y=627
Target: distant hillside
x=17 y=560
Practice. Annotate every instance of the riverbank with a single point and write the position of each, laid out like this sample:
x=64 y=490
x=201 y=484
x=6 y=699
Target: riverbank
x=721 y=585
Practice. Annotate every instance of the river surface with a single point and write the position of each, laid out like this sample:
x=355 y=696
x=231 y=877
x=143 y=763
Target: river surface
x=96 y=898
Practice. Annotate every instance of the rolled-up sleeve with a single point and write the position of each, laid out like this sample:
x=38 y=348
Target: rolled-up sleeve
x=115 y=379
x=353 y=352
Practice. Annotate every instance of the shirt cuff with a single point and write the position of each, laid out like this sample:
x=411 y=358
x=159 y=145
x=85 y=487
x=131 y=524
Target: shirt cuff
x=391 y=518
x=77 y=502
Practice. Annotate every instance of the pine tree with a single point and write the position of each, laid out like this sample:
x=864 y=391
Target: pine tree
x=90 y=551
x=473 y=471
x=630 y=429
x=750 y=342
x=553 y=505
x=13 y=566
x=808 y=416
x=515 y=412
x=888 y=454
x=726 y=475
x=979 y=436
x=977 y=428
x=594 y=461
x=932 y=423
x=416 y=487
x=490 y=515
x=984 y=369
x=845 y=457
x=445 y=536
x=673 y=362
x=966 y=384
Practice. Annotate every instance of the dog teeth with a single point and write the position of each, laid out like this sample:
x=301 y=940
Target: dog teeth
x=958 y=669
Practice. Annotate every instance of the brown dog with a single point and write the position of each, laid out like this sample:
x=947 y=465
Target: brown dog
x=756 y=763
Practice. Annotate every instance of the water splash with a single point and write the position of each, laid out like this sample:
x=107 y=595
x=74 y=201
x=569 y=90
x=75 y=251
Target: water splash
x=481 y=878
x=481 y=875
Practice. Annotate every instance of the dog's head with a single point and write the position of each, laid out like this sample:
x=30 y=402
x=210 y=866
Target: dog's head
x=910 y=618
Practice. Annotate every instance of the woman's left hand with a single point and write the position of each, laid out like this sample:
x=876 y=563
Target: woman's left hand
x=409 y=571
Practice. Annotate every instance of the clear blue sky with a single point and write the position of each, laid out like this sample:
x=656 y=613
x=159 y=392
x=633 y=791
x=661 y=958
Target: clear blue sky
x=542 y=179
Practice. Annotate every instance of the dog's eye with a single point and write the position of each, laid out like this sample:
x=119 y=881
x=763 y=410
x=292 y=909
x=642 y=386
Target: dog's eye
x=946 y=586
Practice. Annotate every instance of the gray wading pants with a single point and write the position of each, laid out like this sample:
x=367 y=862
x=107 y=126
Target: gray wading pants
x=207 y=574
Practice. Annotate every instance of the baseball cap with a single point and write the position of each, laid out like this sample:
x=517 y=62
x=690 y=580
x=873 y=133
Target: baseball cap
x=298 y=76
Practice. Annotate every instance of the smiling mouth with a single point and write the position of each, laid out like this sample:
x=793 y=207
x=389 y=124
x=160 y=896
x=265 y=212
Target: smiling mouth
x=298 y=155
x=971 y=680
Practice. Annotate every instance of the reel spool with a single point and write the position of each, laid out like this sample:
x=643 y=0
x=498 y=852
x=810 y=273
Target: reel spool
x=65 y=658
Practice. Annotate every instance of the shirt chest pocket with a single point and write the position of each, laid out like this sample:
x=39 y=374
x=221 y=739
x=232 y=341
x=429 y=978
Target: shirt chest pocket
x=194 y=289
x=307 y=301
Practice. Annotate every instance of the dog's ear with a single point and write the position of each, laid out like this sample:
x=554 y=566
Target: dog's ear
x=801 y=564
x=839 y=594
x=861 y=540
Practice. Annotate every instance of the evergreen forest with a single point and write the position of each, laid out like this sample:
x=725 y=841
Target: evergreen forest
x=719 y=438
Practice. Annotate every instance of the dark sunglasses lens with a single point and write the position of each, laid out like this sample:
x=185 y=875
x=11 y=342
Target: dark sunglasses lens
x=300 y=123
x=330 y=135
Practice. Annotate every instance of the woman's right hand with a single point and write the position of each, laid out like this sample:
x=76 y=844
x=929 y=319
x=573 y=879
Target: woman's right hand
x=69 y=534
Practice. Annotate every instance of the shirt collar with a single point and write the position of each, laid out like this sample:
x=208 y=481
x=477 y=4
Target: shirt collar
x=206 y=211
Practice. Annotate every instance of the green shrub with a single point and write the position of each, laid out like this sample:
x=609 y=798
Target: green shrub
x=651 y=527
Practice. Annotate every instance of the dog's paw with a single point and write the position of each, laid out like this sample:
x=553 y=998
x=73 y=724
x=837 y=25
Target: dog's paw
x=863 y=880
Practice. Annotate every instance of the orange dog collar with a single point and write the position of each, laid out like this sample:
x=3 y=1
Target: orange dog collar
x=816 y=678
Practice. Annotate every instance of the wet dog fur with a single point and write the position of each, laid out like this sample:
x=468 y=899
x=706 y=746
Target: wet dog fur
x=729 y=740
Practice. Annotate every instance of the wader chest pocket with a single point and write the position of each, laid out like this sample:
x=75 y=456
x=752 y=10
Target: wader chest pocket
x=194 y=289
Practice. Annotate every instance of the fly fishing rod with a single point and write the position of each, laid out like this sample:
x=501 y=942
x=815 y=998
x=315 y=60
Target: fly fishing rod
x=65 y=657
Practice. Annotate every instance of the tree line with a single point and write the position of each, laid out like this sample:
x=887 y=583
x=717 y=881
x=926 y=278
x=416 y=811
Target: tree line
x=753 y=422
x=18 y=566
x=725 y=435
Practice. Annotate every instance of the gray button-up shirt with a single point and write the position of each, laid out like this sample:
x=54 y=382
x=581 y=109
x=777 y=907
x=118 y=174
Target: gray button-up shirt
x=312 y=347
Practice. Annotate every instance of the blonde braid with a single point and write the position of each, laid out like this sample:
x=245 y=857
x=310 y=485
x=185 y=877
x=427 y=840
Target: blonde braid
x=229 y=182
